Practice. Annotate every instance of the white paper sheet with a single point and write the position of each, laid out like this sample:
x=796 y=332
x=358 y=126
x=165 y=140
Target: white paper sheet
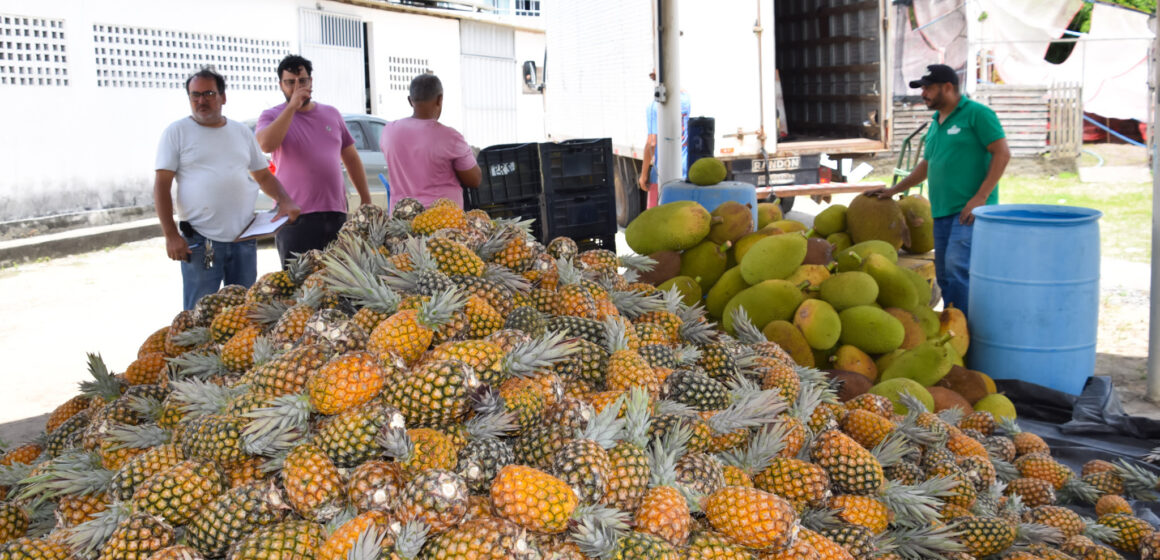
x=262 y=225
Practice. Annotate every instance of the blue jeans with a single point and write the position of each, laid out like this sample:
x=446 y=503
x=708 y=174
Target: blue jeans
x=235 y=263
x=952 y=260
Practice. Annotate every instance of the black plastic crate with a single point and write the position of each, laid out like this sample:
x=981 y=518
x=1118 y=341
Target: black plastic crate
x=523 y=209
x=581 y=216
x=576 y=166
x=511 y=172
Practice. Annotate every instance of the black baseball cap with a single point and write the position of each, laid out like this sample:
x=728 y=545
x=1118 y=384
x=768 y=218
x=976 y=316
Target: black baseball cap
x=937 y=74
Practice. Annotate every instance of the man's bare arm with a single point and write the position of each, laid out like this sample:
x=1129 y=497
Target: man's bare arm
x=273 y=189
x=175 y=245
x=470 y=178
x=358 y=176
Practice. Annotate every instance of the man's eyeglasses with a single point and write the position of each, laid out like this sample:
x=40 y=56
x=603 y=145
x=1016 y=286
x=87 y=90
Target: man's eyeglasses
x=208 y=94
x=301 y=82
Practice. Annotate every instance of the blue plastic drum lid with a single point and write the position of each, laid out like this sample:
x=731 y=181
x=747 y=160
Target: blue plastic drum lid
x=711 y=197
x=1035 y=289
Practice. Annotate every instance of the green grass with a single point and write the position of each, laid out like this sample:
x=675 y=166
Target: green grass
x=1125 y=228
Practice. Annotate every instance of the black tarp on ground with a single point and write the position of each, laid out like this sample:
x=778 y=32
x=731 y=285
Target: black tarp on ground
x=1090 y=426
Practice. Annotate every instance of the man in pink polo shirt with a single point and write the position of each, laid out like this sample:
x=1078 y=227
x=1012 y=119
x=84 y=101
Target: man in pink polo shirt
x=427 y=160
x=309 y=143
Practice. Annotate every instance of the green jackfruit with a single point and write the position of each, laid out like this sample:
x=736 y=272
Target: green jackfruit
x=791 y=340
x=767 y=301
x=853 y=257
x=813 y=274
x=707 y=171
x=788 y=225
x=730 y=284
x=689 y=288
x=675 y=226
x=774 y=257
x=743 y=245
x=871 y=329
x=736 y=221
x=894 y=388
x=706 y=262
x=819 y=323
x=894 y=288
x=926 y=363
x=767 y=213
x=914 y=333
x=916 y=211
x=922 y=288
x=849 y=289
x=870 y=217
x=886 y=359
x=998 y=405
x=831 y=220
x=850 y=358
x=928 y=319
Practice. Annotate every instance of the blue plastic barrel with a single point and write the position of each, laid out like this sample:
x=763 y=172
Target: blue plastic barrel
x=1035 y=294
x=711 y=197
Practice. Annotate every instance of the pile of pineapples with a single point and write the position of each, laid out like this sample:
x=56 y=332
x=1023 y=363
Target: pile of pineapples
x=438 y=385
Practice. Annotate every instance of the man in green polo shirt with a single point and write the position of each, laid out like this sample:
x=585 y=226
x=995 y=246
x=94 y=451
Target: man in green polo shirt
x=966 y=153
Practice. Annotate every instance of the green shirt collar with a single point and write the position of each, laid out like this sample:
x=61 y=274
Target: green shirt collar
x=962 y=101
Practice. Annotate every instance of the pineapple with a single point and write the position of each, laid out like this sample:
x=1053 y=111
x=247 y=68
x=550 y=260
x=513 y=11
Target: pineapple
x=1025 y=442
x=486 y=451
x=13 y=522
x=137 y=538
x=707 y=545
x=146 y=369
x=983 y=536
x=313 y=484
x=342 y=541
x=1131 y=530
x=584 y=462
x=437 y=217
x=626 y=367
x=533 y=499
x=233 y=515
x=409 y=333
x=751 y=517
x=436 y=497
x=288 y=373
x=287 y=540
x=434 y=393
x=455 y=258
x=177 y=493
x=346 y=381
x=349 y=438
x=486 y=538
x=419 y=449
x=374 y=485
x=629 y=474
x=664 y=509
x=1067 y=521
x=852 y=469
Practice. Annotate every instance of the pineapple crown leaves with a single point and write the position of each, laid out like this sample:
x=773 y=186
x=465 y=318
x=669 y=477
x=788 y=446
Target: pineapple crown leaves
x=909 y=425
x=1153 y=456
x=311 y=296
x=345 y=514
x=396 y=227
x=137 y=437
x=87 y=538
x=817 y=380
x=1037 y=533
x=41 y=519
x=1014 y=507
x=919 y=504
x=637 y=417
x=1009 y=425
x=147 y=406
x=193 y=336
x=265 y=351
x=817 y=519
x=202 y=397
x=747 y=333
x=607 y=427
x=749 y=410
x=1099 y=533
x=1076 y=491
x=11 y=475
x=491 y=426
x=630 y=276
x=441 y=307
x=269 y=426
x=396 y=443
x=674 y=408
x=103 y=384
x=79 y=474
x=1138 y=482
x=368 y=545
x=615 y=334
x=763 y=447
x=1004 y=471
x=922 y=542
x=410 y=538
x=741 y=385
x=594 y=539
x=952 y=415
x=989 y=499
x=347 y=277
x=687 y=355
x=567 y=272
x=638 y=263
x=199 y=364
x=664 y=452
x=268 y=313
x=485 y=399
x=696 y=330
x=891 y=450
x=538 y=354
x=507 y=278
x=633 y=304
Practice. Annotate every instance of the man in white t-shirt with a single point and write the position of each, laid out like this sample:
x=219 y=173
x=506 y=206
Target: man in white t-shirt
x=219 y=169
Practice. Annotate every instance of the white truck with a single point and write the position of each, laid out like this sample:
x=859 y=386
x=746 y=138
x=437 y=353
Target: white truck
x=815 y=71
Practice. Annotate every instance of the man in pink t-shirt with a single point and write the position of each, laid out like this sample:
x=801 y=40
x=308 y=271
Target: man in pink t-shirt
x=309 y=143
x=427 y=160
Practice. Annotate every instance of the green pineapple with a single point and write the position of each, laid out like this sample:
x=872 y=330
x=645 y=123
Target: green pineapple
x=233 y=515
x=584 y=462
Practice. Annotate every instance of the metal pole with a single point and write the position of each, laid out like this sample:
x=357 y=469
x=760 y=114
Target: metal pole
x=669 y=110
x=1152 y=392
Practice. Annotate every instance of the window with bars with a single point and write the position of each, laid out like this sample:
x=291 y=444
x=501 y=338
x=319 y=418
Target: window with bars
x=401 y=70
x=144 y=57
x=32 y=51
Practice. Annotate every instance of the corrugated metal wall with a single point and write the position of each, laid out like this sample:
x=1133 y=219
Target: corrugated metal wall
x=828 y=58
x=334 y=45
x=489 y=83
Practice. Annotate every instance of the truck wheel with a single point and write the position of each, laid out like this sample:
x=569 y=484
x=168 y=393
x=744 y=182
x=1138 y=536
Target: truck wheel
x=786 y=204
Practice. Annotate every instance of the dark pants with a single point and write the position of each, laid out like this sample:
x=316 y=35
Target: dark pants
x=310 y=231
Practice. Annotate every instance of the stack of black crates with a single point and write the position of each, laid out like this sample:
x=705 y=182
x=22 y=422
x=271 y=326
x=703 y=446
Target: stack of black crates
x=567 y=187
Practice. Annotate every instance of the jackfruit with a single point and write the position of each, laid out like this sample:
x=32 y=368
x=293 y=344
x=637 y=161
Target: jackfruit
x=848 y=384
x=849 y=289
x=730 y=284
x=922 y=288
x=766 y=301
x=675 y=226
x=767 y=213
x=689 y=288
x=998 y=405
x=870 y=217
x=871 y=329
x=926 y=363
x=707 y=171
x=736 y=221
x=945 y=398
x=894 y=388
x=823 y=356
x=812 y=274
x=788 y=226
x=774 y=257
x=831 y=220
x=743 y=245
x=914 y=333
x=894 y=288
x=966 y=382
x=928 y=319
x=884 y=361
x=705 y=262
x=818 y=251
x=853 y=257
x=840 y=241
x=916 y=211
x=819 y=323
x=668 y=265
x=952 y=321
x=791 y=340
x=850 y=358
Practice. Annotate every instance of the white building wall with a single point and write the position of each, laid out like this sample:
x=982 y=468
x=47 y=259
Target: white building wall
x=529 y=105
x=86 y=146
